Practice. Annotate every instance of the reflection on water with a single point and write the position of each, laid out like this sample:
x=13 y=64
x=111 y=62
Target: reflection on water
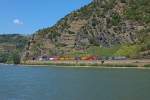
x=44 y=83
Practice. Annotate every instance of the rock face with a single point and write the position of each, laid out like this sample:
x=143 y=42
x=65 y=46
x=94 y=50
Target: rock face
x=102 y=23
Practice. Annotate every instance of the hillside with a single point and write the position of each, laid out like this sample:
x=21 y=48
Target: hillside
x=10 y=42
x=11 y=46
x=103 y=27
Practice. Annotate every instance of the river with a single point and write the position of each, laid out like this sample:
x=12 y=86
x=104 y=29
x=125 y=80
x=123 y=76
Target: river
x=51 y=83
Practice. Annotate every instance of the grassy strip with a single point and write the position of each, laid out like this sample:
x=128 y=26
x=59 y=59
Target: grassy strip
x=82 y=64
x=147 y=65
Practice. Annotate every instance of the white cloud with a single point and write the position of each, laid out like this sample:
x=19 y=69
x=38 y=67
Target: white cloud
x=17 y=22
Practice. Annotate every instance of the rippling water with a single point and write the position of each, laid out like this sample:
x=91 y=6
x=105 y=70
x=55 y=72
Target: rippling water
x=50 y=83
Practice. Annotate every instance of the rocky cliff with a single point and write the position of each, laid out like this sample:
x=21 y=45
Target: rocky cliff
x=102 y=24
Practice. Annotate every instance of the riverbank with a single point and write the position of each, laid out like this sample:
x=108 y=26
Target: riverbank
x=108 y=63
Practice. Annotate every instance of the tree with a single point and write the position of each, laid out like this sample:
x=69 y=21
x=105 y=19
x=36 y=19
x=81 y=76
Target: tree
x=3 y=57
x=16 y=58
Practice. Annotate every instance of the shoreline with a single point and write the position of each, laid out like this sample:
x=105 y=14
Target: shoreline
x=138 y=64
x=98 y=67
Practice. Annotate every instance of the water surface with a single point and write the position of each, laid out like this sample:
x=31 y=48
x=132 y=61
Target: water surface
x=50 y=83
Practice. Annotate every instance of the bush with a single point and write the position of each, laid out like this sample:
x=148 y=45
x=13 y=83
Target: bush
x=148 y=65
x=128 y=50
x=16 y=58
x=138 y=10
x=116 y=19
x=3 y=57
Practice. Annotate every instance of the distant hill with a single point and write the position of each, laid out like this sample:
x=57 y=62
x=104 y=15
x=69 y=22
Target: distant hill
x=103 y=27
x=12 y=47
x=11 y=42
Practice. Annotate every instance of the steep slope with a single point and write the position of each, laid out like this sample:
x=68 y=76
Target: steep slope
x=121 y=26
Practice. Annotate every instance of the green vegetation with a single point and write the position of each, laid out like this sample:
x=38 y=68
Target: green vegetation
x=116 y=19
x=139 y=10
x=96 y=50
x=128 y=50
x=53 y=35
x=12 y=45
x=16 y=39
x=13 y=57
x=16 y=58
x=86 y=11
x=3 y=57
x=78 y=53
x=148 y=65
x=108 y=4
x=81 y=64
x=122 y=50
x=36 y=48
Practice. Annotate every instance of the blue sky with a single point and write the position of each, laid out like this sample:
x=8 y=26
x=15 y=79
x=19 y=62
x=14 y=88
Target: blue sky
x=27 y=16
